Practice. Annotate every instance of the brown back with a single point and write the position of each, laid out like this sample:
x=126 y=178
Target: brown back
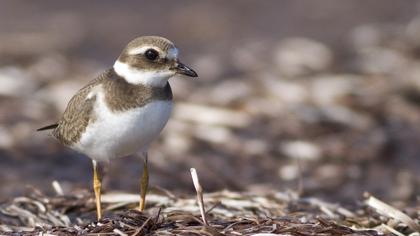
x=120 y=96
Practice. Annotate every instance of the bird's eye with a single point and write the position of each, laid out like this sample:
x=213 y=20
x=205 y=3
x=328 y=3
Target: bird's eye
x=151 y=54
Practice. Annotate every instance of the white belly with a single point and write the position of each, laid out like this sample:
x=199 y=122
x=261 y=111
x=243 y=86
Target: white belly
x=116 y=134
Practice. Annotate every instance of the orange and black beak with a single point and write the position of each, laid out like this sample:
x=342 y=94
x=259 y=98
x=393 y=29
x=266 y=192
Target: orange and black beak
x=184 y=70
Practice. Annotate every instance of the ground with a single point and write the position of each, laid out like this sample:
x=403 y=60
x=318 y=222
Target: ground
x=227 y=213
x=317 y=98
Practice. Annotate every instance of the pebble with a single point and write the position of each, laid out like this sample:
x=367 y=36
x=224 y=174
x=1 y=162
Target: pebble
x=295 y=57
x=301 y=149
x=60 y=93
x=16 y=82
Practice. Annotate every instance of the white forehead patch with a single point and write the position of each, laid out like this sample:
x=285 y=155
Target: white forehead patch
x=172 y=53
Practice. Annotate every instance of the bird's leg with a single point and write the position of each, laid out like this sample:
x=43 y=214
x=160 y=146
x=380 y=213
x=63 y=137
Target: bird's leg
x=97 y=188
x=144 y=183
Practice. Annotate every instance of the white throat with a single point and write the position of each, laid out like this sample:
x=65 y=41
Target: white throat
x=135 y=76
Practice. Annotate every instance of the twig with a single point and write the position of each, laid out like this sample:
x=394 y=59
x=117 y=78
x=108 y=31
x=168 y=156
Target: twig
x=214 y=206
x=390 y=229
x=57 y=188
x=300 y=177
x=139 y=230
x=391 y=212
x=199 y=191
x=119 y=232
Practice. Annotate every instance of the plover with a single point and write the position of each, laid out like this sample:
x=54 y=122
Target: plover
x=124 y=109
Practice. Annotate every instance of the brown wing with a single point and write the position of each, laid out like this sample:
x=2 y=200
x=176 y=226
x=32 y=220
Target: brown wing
x=78 y=114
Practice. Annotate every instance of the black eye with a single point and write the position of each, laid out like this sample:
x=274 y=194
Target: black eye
x=151 y=54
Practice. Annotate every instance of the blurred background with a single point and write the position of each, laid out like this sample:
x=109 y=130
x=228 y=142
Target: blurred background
x=334 y=84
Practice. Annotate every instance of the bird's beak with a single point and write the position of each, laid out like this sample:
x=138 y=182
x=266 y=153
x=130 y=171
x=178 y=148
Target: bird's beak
x=184 y=70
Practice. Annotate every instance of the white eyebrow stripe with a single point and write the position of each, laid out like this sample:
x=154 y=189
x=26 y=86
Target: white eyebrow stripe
x=141 y=50
x=172 y=52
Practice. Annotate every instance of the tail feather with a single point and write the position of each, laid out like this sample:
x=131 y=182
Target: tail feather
x=53 y=126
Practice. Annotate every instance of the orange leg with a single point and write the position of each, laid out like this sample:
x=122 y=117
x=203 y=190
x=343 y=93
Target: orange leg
x=144 y=184
x=97 y=188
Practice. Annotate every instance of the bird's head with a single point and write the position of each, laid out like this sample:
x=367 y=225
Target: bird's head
x=150 y=60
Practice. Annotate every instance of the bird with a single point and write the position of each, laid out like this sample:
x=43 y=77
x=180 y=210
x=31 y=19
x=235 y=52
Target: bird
x=124 y=109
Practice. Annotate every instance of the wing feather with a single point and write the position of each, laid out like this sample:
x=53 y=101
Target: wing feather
x=79 y=113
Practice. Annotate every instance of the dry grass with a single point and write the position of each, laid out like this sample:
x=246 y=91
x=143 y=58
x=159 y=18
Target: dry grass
x=228 y=213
